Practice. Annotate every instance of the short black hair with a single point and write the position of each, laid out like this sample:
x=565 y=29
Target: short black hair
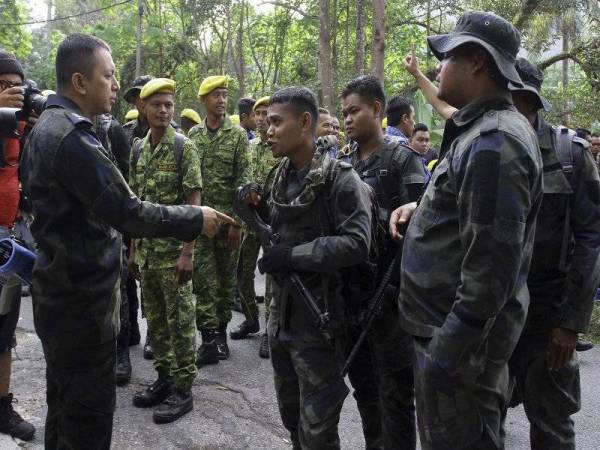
x=582 y=132
x=245 y=105
x=75 y=54
x=398 y=106
x=324 y=111
x=368 y=87
x=301 y=100
x=420 y=127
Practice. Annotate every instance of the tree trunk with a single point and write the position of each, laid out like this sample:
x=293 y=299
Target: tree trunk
x=359 y=62
x=325 y=56
x=378 y=38
x=565 y=48
x=138 y=40
x=241 y=73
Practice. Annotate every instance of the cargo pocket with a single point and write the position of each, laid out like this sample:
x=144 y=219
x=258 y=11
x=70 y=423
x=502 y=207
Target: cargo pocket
x=447 y=408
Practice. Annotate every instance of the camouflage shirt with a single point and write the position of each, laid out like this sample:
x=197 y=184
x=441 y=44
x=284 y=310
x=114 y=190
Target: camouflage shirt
x=79 y=200
x=156 y=178
x=224 y=161
x=563 y=296
x=468 y=246
x=262 y=161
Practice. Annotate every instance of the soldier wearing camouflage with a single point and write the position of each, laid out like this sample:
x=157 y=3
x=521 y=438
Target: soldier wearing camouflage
x=564 y=273
x=397 y=177
x=158 y=176
x=321 y=211
x=478 y=214
x=224 y=159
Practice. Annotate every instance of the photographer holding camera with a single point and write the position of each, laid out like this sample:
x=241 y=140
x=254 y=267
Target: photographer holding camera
x=11 y=96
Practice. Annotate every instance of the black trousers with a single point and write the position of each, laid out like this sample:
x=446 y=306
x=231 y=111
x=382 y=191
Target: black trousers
x=80 y=396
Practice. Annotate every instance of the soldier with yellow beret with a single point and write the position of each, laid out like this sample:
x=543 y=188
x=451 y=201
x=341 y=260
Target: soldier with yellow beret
x=222 y=147
x=132 y=114
x=165 y=169
x=189 y=119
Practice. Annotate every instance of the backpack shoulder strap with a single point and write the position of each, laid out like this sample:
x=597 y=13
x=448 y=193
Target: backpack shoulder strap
x=563 y=138
x=136 y=150
x=178 y=153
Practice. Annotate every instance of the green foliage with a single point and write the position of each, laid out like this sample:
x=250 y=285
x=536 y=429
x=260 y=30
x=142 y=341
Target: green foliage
x=14 y=38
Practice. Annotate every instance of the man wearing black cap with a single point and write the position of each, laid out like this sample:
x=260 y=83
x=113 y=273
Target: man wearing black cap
x=137 y=128
x=468 y=245
x=11 y=96
x=564 y=274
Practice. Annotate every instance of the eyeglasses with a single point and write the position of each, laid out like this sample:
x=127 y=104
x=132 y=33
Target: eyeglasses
x=7 y=85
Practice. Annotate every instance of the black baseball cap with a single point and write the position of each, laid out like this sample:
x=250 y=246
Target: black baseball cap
x=494 y=33
x=532 y=78
x=137 y=86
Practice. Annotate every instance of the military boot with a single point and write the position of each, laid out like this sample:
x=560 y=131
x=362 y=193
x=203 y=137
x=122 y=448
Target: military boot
x=221 y=340
x=207 y=352
x=12 y=423
x=173 y=407
x=583 y=345
x=245 y=329
x=155 y=394
x=148 y=351
x=123 y=372
x=259 y=298
x=263 y=350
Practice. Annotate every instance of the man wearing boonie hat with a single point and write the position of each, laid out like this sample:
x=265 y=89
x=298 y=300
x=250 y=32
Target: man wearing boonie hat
x=189 y=119
x=223 y=150
x=477 y=215
x=165 y=169
x=138 y=127
x=563 y=275
x=261 y=163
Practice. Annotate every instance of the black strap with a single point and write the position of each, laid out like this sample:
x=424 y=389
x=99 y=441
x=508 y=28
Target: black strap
x=563 y=137
x=178 y=153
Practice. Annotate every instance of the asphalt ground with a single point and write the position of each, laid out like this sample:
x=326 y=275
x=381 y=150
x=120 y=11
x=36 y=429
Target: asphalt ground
x=234 y=403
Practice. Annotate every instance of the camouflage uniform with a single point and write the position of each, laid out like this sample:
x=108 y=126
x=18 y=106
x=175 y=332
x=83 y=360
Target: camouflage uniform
x=134 y=129
x=78 y=198
x=464 y=269
x=383 y=379
x=327 y=220
x=262 y=162
x=224 y=161
x=170 y=308
x=561 y=294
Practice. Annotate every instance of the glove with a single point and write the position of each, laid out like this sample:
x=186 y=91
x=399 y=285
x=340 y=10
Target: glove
x=276 y=259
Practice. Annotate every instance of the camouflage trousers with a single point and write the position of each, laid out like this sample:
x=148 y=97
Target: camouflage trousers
x=170 y=312
x=247 y=260
x=382 y=378
x=214 y=275
x=310 y=391
x=464 y=410
x=549 y=397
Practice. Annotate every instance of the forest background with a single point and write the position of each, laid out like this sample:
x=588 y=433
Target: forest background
x=321 y=44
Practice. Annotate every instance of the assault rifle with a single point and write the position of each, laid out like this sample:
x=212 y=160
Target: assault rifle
x=373 y=309
x=267 y=239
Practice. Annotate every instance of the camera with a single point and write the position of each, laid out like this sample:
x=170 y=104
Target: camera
x=33 y=101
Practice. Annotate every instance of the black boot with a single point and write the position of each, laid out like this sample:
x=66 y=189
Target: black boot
x=583 y=345
x=134 y=334
x=148 y=352
x=12 y=423
x=123 y=373
x=207 y=352
x=176 y=405
x=237 y=304
x=263 y=350
x=221 y=340
x=259 y=298
x=245 y=329
x=155 y=394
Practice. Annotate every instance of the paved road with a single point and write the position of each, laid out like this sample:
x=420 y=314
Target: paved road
x=235 y=405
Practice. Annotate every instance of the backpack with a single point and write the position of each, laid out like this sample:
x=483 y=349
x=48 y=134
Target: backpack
x=177 y=152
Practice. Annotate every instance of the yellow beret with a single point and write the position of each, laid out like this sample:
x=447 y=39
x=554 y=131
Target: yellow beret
x=235 y=119
x=132 y=114
x=191 y=114
x=384 y=123
x=211 y=83
x=263 y=101
x=158 y=86
x=48 y=92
